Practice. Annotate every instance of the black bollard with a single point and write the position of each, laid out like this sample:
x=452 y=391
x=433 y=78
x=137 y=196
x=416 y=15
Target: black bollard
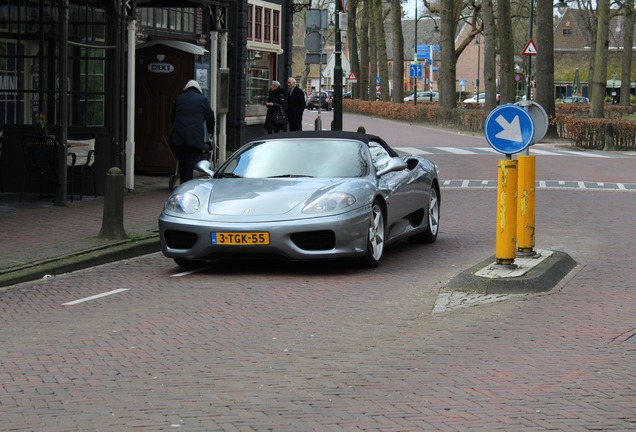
x=113 y=220
x=609 y=137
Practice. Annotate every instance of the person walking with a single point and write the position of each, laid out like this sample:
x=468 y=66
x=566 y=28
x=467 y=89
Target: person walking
x=295 y=105
x=275 y=107
x=189 y=112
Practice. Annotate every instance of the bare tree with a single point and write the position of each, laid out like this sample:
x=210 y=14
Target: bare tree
x=490 y=55
x=380 y=44
x=626 y=58
x=352 y=38
x=365 y=48
x=545 y=59
x=450 y=13
x=599 y=83
x=506 y=53
x=398 y=51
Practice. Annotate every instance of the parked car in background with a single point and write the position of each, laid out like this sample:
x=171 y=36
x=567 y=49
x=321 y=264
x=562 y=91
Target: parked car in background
x=347 y=95
x=320 y=100
x=482 y=98
x=576 y=100
x=423 y=96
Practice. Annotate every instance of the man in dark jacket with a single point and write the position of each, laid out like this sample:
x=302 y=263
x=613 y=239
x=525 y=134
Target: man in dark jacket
x=189 y=111
x=295 y=106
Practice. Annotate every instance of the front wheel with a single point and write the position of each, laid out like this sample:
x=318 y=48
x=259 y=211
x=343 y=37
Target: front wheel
x=375 y=240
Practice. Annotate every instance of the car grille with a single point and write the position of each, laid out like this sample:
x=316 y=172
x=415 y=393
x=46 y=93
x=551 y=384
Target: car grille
x=315 y=240
x=180 y=239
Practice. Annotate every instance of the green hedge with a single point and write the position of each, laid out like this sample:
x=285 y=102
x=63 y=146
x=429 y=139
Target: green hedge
x=572 y=121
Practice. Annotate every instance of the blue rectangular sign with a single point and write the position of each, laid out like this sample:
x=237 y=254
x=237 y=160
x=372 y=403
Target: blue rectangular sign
x=415 y=70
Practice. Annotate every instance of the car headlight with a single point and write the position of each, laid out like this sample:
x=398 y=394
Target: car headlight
x=187 y=203
x=330 y=202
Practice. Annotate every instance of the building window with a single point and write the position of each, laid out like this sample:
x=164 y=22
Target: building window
x=267 y=26
x=276 y=26
x=250 y=21
x=259 y=77
x=173 y=19
x=29 y=84
x=258 y=23
x=567 y=31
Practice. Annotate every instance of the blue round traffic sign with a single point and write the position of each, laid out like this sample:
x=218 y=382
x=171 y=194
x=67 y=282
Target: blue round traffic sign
x=509 y=129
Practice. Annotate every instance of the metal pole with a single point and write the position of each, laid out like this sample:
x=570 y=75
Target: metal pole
x=415 y=56
x=478 y=65
x=529 y=77
x=430 y=77
x=337 y=71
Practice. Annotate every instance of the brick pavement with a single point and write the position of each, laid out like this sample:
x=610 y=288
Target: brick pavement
x=35 y=231
x=327 y=348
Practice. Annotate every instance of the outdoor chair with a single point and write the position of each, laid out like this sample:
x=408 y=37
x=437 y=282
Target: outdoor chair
x=80 y=159
x=40 y=156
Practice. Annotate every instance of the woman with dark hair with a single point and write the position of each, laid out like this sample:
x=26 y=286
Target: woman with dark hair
x=275 y=108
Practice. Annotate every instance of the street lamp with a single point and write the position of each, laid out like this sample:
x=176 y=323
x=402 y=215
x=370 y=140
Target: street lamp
x=435 y=30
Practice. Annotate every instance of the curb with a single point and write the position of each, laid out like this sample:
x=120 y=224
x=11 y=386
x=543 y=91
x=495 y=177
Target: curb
x=81 y=260
x=541 y=278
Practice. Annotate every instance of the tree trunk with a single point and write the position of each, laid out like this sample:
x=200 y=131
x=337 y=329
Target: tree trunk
x=398 y=52
x=352 y=40
x=626 y=59
x=506 y=52
x=490 y=64
x=448 y=71
x=599 y=85
x=380 y=41
x=545 y=60
x=365 y=49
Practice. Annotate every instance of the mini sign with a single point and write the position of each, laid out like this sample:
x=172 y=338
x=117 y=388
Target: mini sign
x=530 y=49
x=160 y=68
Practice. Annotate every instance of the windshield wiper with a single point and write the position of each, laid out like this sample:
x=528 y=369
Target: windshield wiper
x=289 y=176
x=229 y=175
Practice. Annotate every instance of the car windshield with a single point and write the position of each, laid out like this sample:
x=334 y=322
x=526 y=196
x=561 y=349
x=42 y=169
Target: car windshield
x=299 y=158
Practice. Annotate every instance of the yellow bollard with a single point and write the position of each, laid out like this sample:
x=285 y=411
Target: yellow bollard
x=526 y=206
x=506 y=212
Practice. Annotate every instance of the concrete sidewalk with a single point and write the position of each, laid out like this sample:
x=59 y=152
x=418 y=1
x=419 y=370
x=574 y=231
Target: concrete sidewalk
x=40 y=239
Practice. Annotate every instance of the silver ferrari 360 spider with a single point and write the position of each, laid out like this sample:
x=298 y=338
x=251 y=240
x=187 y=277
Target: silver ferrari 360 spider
x=303 y=196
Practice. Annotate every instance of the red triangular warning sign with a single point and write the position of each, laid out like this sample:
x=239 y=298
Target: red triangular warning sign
x=530 y=49
x=352 y=76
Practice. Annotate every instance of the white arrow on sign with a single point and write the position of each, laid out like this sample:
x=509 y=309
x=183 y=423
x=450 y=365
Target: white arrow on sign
x=510 y=131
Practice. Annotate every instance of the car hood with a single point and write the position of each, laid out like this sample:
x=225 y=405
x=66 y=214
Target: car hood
x=253 y=199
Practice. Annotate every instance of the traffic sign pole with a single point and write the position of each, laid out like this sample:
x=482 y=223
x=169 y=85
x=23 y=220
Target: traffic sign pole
x=525 y=205
x=506 y=212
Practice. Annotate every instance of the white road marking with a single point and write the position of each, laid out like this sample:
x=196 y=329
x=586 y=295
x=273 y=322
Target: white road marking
x=85 y=299
x=189 y=272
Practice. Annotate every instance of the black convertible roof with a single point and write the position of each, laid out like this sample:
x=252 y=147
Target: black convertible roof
x=363 y=137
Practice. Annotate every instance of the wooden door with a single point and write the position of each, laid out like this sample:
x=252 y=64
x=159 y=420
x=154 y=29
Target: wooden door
x=161 y=74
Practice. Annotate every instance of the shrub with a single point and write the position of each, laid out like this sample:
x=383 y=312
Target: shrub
x=572 y=120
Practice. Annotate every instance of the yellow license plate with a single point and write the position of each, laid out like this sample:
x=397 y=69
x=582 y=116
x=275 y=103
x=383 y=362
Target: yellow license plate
x=240 y=238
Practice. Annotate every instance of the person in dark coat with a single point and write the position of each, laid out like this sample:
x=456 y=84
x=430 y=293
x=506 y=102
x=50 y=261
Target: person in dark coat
x=295 y=105
x=275 y=104
x=189 y=112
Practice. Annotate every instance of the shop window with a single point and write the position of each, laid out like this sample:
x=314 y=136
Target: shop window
x=259 y=76
x=29 y=84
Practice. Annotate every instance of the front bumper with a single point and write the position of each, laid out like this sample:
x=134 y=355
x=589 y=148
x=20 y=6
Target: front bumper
x=344 y=235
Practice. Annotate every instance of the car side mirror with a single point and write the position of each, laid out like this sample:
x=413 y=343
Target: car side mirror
x=395 y=164
x=205 y=167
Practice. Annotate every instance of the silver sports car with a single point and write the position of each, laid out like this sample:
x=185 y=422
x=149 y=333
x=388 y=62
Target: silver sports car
x=303 y=196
